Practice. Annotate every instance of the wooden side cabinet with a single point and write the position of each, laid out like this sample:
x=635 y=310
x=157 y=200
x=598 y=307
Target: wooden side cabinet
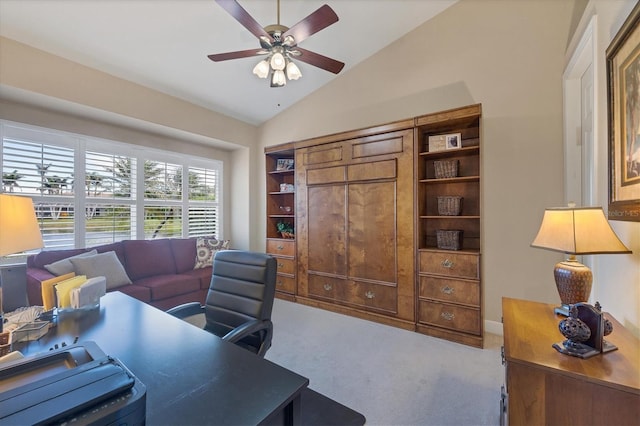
x=448 y=203
x=281 y=202
x=545 y=387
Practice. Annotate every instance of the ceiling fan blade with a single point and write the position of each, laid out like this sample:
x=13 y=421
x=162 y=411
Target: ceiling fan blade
x=236 y=55
x=318 y=20
x=319 y=60
x=242 y=16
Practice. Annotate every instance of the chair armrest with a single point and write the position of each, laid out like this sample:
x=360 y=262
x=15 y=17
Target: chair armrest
x=247 y=329
x=186 y=310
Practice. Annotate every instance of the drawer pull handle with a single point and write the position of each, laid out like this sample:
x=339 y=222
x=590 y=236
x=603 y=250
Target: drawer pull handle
x=280 y=265
x=447 y=316
x=369 y=294
x=447 y=264
x=280 y=247
x=447 y=290
x=280 y=282
x=327 y=287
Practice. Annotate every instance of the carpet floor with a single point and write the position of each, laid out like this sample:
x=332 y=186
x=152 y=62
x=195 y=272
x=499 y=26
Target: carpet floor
x=391 y=376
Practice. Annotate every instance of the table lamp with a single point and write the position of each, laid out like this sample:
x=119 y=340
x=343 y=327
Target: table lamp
x=19 y=230
x=575 y=231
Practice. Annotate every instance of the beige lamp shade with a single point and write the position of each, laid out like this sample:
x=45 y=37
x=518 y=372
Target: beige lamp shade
x=19 y=230
x=582 y=230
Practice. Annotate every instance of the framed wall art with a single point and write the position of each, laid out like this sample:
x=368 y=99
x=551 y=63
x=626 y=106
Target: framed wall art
x=623 y=92
x=284 y=164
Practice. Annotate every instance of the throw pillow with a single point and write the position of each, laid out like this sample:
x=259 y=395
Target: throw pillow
x=64 y=266
x=104 y=264
x=206 y=248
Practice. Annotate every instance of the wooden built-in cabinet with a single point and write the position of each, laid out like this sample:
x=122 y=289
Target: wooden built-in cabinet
x=449 y=281
x=281 y=202
x=366 y=218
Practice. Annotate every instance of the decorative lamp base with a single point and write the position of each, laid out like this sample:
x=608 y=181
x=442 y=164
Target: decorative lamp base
x=573 y=281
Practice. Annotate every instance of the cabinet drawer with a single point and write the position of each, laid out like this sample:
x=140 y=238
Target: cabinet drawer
x=286 y=265
x=281 y=247
x=464 y=265
x=453 y=317
x=285 y=284
x=374 y=296
x=450 y=290
x=324 y=287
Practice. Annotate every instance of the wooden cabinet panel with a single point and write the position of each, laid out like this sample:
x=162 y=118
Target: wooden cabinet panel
x=285 y=284
x=447 y=290
x=324 y=154
x=450 y=316
x=450 y=264
x=386 y=143
x=370 y=171
x=326 y=223
x=281 y=247
x=368 y=295
x=324 y=287
x=326 y=175
x=285 y=265
x=372 y=231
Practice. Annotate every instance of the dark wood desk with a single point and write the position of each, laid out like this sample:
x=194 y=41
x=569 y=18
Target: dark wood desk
x=547 y=387
x=192 y=377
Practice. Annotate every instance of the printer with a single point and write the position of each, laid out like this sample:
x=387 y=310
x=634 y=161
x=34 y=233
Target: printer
x=77 y=384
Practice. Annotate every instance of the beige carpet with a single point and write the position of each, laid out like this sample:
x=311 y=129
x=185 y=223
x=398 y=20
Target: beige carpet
x=391 y=376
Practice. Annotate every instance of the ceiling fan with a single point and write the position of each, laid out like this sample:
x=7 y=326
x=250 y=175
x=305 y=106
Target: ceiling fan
x=280 y=44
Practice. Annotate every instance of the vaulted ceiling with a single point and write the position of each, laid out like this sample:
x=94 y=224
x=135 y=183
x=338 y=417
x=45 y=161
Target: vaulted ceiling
x=163 y=44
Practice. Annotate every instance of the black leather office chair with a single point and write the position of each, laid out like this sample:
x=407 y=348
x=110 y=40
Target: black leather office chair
x=240 y=299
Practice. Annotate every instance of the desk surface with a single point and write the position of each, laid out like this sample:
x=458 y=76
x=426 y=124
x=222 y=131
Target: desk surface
x=192 y=377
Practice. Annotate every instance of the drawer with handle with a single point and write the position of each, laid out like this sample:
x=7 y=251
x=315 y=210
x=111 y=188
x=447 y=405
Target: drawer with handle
x=464 y=265
x=450 y=290
x=285 y=284
x=324 y=287
x=281 y=247
x=449 y=316
x=286 y=265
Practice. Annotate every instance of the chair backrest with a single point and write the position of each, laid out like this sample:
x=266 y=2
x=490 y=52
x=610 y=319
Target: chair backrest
x=242 y=289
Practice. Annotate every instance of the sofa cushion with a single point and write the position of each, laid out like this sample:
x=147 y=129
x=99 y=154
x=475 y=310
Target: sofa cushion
x=46 y=257
x=115 y=247
x=64 y=266
x=137 y=292
x=184 y=253
x=206 y=248
x=165 y=286
x=105 y=264
x=203 y=274
x=148 y=258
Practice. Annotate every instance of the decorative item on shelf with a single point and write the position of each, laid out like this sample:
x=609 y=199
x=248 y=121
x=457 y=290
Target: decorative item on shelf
x=285 y=209
x=284 y=164
x=585 y=328
x=287 y=187
x=20 y=230
x=449 y=239
x=5 y=346
x=449 y=205
x=285 y=229
x=573 y=231
x=445 y=169
x=445 y=142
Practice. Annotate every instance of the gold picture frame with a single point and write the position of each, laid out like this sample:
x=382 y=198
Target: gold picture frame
x=623 y=96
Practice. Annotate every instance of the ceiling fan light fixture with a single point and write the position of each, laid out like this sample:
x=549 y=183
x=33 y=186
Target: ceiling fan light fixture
x=278 y=79
x=293 y=72
x=262 y=69
x=277 y=61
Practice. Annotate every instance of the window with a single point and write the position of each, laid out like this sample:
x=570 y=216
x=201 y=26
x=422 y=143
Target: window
x=124 y=191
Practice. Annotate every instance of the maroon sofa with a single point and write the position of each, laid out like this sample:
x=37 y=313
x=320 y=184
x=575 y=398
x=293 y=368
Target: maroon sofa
x=162 y=271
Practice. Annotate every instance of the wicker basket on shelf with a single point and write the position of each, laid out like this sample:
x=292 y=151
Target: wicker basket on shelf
x=449 y=205
x=449 y=239
x=445 y=169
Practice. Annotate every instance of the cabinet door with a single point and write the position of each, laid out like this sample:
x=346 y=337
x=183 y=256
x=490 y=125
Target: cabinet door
x=327 y=229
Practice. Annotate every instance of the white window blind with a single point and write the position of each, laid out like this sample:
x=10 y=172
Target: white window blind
x=65 y=173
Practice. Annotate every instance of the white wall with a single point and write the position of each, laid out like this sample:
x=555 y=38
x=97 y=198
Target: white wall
x=616 y=277
x=507 y=55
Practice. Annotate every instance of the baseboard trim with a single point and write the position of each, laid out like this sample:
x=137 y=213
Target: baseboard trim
x=493 y=327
